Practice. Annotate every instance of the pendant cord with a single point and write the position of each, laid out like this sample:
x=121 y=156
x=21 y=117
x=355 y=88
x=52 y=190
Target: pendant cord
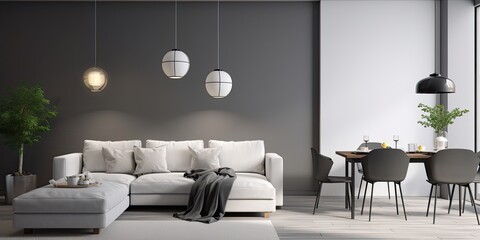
x=435 y=38
x=218 y=34
x=175 y=24
x=95 y=45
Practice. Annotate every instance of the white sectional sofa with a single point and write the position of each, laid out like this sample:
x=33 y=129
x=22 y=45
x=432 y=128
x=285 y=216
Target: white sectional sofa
x=258 y=187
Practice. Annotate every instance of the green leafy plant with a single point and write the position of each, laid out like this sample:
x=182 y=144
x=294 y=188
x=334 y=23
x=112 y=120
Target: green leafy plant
x=438 y=117
x=24 y=115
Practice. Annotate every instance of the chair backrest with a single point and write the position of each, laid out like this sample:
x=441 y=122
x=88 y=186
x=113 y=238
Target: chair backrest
x=385 y=165
x=321 y=165
x=371 y=145
x=455 y=166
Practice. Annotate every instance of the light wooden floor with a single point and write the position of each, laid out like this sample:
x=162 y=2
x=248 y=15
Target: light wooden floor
x=332 y=221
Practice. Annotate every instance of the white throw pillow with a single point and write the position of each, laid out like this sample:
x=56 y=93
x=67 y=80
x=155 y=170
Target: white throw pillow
x=92 y=152
x=243 y=156
x=151 y=160
x=118 y=161
x=205 y=158
x=178 y=154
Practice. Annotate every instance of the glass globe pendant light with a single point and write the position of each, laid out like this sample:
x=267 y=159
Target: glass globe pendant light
x=175 y=63
x=218 y=82
x=95 y=78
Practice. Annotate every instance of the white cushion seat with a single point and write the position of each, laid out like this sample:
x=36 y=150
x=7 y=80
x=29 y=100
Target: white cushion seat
x=51 y=200
x=246 y=186
x=161 y=183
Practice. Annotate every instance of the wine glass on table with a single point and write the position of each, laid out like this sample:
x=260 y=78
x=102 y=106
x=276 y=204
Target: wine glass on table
x=396 y=138
x=366 y=139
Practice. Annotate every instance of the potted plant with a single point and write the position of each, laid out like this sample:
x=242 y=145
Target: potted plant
x=439 y=118
x=24 y=115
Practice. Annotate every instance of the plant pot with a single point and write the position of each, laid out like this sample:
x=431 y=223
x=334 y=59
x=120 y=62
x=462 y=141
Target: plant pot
x=441 y=141
x=18 y=185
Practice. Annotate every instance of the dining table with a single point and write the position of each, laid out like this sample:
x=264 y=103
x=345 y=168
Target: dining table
x=354 y=157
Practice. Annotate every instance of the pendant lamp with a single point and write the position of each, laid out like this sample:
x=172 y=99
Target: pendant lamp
x=175 y=63
x=95 y=78
x=218 y=82
x=435 y=83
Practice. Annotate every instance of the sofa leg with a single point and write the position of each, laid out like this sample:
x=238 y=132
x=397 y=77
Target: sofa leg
x=28 y=231
x=96 y=231
x=266 y=215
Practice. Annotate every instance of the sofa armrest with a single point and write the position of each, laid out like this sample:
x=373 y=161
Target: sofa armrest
x=274 y=174
x=66 y=165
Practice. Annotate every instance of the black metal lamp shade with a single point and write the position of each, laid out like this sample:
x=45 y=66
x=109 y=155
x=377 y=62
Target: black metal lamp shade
x=435 y=83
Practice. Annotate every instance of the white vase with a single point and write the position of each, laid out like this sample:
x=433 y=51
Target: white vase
x=441 y=141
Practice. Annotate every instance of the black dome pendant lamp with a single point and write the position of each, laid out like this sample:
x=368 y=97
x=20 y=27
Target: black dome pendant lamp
x=435 y=83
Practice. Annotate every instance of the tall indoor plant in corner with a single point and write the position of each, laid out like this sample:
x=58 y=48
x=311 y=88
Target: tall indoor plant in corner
x=24 y=115
x=439 y=118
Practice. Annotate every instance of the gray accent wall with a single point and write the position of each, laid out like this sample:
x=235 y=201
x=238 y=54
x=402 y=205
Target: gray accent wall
x=269 y=49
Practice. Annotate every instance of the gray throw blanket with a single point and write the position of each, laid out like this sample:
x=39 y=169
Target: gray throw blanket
x=209 y=194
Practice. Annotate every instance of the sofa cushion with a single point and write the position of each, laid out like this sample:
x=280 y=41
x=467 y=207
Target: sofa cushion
x=118 y=161
x=151 y=160
x=93 y=160
x=48 y=199
x=124 y=179
x=246 y=186
x=205 y=158
x=169 y=183
x=178 y=154
x=243 y=156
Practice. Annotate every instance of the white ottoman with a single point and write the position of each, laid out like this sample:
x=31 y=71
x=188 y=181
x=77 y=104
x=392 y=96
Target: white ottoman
x=50 y=207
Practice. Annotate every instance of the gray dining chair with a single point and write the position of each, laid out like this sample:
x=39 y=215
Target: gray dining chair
x=452 y=166
x=321 y=168
x=372 y=145
x=385 y=165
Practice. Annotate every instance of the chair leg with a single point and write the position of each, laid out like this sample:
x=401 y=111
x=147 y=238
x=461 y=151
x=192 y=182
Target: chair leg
x=475 y=188
x=459 y=201
x=360 y=188
x=448 y=189
x=451 y=197
x=348 y=195
x=464 y=198
x=352 y=188
x=388 y=187
x=371 y=200
x=435 y=204
x=429 y=200
x=396 y=200
x=403 y=203
x=364 y=195
x=474 y=205
x=318 y=197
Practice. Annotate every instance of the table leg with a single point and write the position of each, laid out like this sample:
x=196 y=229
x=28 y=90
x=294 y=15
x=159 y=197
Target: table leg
x=352 y=192
x=346 y=185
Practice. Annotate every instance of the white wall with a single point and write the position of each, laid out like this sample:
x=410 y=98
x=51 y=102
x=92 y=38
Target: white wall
x=461 y=70
x=372 y=55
